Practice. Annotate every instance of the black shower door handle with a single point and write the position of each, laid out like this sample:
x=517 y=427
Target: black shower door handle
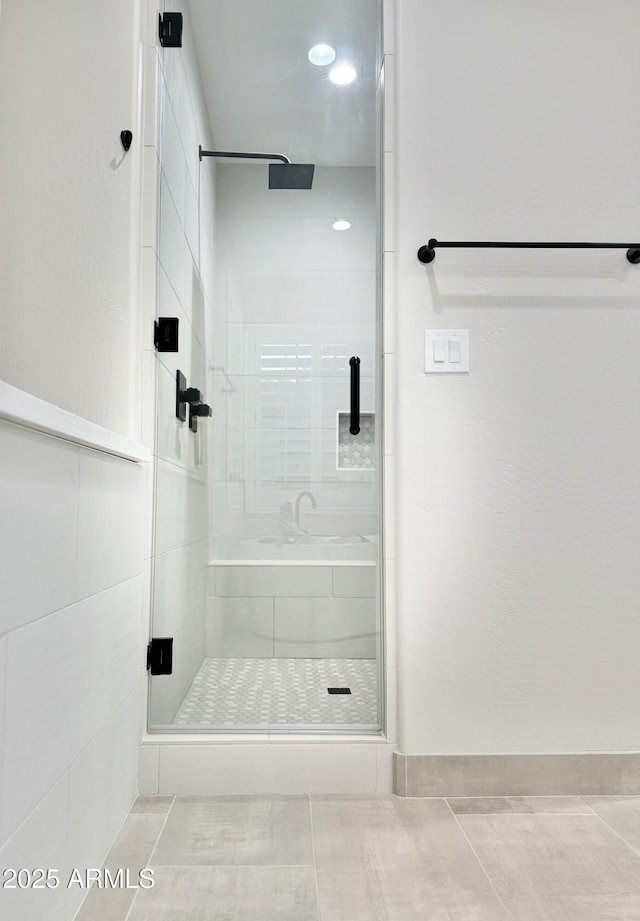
x=354 y=426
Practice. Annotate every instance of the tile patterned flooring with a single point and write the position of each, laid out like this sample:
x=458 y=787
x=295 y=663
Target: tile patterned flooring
x=377 y=858
x=281 y=692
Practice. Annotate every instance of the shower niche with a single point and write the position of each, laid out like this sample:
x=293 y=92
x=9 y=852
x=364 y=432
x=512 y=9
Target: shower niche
x=275 y=286
x=356 y=452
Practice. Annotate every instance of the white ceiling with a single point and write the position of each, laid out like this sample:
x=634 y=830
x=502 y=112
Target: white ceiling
x=264 y=95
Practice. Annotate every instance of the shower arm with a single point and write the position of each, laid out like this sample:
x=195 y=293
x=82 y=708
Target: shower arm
x=242 y=156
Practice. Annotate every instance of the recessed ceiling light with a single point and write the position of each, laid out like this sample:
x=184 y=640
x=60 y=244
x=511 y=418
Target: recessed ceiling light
x=342 y=225
x=321 y=55
x=343 y=74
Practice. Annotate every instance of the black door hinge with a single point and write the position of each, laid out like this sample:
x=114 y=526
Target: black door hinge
x=165 y=334
x=160 y=655
x=170 y=30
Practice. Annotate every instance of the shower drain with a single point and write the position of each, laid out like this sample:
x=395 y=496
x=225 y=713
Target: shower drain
x=339 y=690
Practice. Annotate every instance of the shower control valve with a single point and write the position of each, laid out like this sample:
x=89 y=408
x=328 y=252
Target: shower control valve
x=195 y=410
x=185 y=395
x=191 y=395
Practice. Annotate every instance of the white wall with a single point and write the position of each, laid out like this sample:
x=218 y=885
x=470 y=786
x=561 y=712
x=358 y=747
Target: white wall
x=178 y=260
x=68 y=218
x=518 y=486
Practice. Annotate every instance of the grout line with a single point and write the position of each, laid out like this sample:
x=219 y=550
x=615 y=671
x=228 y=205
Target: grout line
x=67 y=607
x=616 y=833
x=547 y=815
x=520 y=796
x=4 y=671
x=508 y=914
x=66 y=847
x=153 y=850
x=376 y=788
x=76 y=554
x=231 y=866
x=449 y=799
x=67 y=768
x=313 y=852
x=133 y=900
x=13 y=832
x=155 y=846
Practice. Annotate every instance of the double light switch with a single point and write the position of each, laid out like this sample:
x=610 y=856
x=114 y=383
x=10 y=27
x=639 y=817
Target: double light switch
x=446 y=350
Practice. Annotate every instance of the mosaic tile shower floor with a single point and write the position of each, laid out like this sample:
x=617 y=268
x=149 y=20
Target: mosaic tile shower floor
x=234 y=693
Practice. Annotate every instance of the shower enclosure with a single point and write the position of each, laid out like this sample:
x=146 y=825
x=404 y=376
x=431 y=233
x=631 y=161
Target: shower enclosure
x=266 y=561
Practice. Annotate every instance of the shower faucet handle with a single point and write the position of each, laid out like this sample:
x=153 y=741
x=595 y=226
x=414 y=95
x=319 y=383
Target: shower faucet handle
x=185 y=395
x=195 y=410
x=191 y=395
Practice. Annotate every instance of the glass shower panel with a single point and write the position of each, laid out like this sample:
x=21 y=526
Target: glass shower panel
x=272 y=597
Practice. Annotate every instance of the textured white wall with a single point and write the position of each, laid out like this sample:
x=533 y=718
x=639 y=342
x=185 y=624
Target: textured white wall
x=68 y=267
x=518 y=484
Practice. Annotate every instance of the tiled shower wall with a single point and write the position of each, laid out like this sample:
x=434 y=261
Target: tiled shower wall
x=178 y=260
x=292 y=611
x=294 y=300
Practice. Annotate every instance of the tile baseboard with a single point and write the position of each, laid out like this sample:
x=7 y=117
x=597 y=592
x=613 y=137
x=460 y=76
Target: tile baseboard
x=517 y=775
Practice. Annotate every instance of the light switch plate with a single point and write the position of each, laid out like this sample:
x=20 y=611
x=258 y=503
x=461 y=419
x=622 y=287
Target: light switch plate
x=443 y=345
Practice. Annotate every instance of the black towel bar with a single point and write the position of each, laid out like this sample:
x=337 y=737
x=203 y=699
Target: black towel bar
x=427 y=253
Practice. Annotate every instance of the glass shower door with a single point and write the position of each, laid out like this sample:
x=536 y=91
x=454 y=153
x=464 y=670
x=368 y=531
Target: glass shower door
x=267 y=516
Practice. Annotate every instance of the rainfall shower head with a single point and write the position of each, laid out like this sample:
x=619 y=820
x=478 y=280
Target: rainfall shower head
x=284 y=175
x=291 y=175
